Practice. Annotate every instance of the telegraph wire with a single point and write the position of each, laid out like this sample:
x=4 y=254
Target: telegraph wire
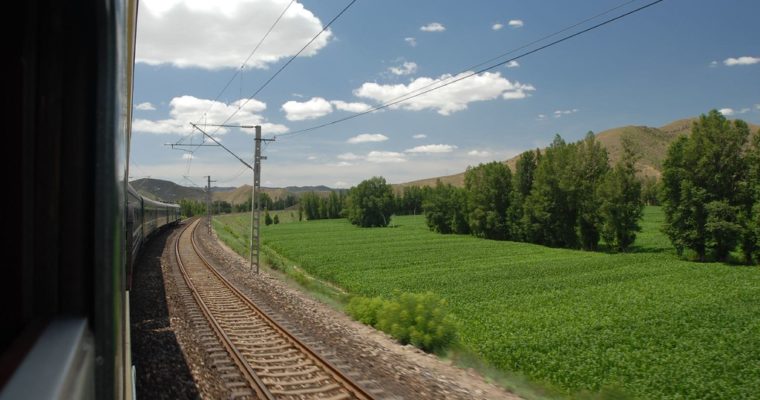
x=265 y=84
x=239 y=70
x=443 y=84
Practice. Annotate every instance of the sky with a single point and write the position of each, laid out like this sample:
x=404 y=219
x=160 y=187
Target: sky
x=676 y=59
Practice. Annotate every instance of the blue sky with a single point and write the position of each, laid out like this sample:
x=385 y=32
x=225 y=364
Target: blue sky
x=674 y=60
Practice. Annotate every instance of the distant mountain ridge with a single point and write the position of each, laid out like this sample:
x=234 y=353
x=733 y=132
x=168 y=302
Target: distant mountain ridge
x=171 y=192
x=652 y=144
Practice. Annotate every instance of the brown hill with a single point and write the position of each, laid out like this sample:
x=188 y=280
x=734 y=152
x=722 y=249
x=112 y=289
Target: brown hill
x=652 y=144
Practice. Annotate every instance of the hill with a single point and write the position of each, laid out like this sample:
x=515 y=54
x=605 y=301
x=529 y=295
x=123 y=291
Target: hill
x=652 y=144
x=167 y=191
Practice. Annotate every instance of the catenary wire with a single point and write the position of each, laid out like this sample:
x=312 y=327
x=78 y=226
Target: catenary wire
x=408 y=97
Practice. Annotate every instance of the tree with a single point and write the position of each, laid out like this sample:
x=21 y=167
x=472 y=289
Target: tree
x=621 y=204
x=706 y=168
x=445 y=209
x=489 y=191
x=370 y=204
x=650 y=191
x=592 y=166
x=525 y=169
x=276 y=219
x=310 y=203
x=551 y=211
x=267 y=218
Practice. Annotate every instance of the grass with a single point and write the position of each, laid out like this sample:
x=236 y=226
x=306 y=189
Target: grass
x=644 y=324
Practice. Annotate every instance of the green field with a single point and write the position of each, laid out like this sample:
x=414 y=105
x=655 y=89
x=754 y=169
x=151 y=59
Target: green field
x=646 y=322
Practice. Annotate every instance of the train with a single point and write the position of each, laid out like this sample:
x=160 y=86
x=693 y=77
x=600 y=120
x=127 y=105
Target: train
x=145 y=217
x=75 y=224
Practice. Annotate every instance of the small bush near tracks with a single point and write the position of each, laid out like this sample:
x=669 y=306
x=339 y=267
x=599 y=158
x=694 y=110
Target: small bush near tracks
x=419 y=319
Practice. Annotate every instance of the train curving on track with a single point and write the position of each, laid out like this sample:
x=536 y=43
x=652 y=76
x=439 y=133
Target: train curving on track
x=269 y=362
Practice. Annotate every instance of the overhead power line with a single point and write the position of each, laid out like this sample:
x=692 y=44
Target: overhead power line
x=441 y=84
x=239 y=70
x=268 y=81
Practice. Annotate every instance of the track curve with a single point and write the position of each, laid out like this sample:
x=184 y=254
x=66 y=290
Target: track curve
x=273 y=362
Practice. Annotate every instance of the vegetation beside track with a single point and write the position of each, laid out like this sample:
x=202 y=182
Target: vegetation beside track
x=645 y=322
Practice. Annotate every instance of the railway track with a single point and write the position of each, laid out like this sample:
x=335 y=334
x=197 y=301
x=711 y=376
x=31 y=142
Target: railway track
x=272 y=362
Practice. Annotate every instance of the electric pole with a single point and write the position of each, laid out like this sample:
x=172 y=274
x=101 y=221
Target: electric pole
x=208 y=202
x=256 y=200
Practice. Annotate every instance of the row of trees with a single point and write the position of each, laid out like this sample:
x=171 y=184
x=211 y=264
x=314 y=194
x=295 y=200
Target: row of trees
x=711 y=190
x=314 y=206
x=566 y=197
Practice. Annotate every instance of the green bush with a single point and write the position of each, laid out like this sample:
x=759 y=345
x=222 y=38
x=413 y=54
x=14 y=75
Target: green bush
x=365 y=309
x=419 y=319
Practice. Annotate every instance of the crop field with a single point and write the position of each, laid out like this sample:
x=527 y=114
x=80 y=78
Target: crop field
x=644 y=322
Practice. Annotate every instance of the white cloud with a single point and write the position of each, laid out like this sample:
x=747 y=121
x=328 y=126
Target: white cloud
x=513 y=64
x=757 y=107
x=187 y=156
x=311 y=158
x=746 y=60
x=743 y=111
x=432 y=148
x=385 y=157
x=560 y=113
x=349 y=157
x=419 y=136
x=541 y=116
x=351 y=107
x=411 y=41
x=497 y=26
x=726 y=111
x=407 y=68
x=187 y=109
x=516 y=23
x=479 y=153
x=713 y=64
x=433 y=27
x=299 y=95
x=368 y=137
x=145 y=107
x=452 y=98
x=313 y=108
x=220 y=34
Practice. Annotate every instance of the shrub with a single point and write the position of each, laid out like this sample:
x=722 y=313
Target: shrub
x=419 y=319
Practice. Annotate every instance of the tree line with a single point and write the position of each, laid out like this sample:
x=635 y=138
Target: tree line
x=568 y=196
x=711 y=190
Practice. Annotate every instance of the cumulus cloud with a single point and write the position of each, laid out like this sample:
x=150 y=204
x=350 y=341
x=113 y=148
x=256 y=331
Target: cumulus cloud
x=513 y=64
x=727 y=111
x=220 y=34
x=560 y=113
x=479 y=153
x=145 y=106
x=432 y=148
x=349 y=157
x=516 y=23
x=411 y=41
x=713 y=64
x=313 y=108
x=497 y=26
x=746 y=60
x=407 y=68
x=419 y=136
x=433 y=27
x=385 y=157
x=351 y=107
x=368 y=137
x=187 y=109
x=452 y=98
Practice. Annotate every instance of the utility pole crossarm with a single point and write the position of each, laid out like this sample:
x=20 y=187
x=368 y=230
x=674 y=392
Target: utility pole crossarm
x=221 y=145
